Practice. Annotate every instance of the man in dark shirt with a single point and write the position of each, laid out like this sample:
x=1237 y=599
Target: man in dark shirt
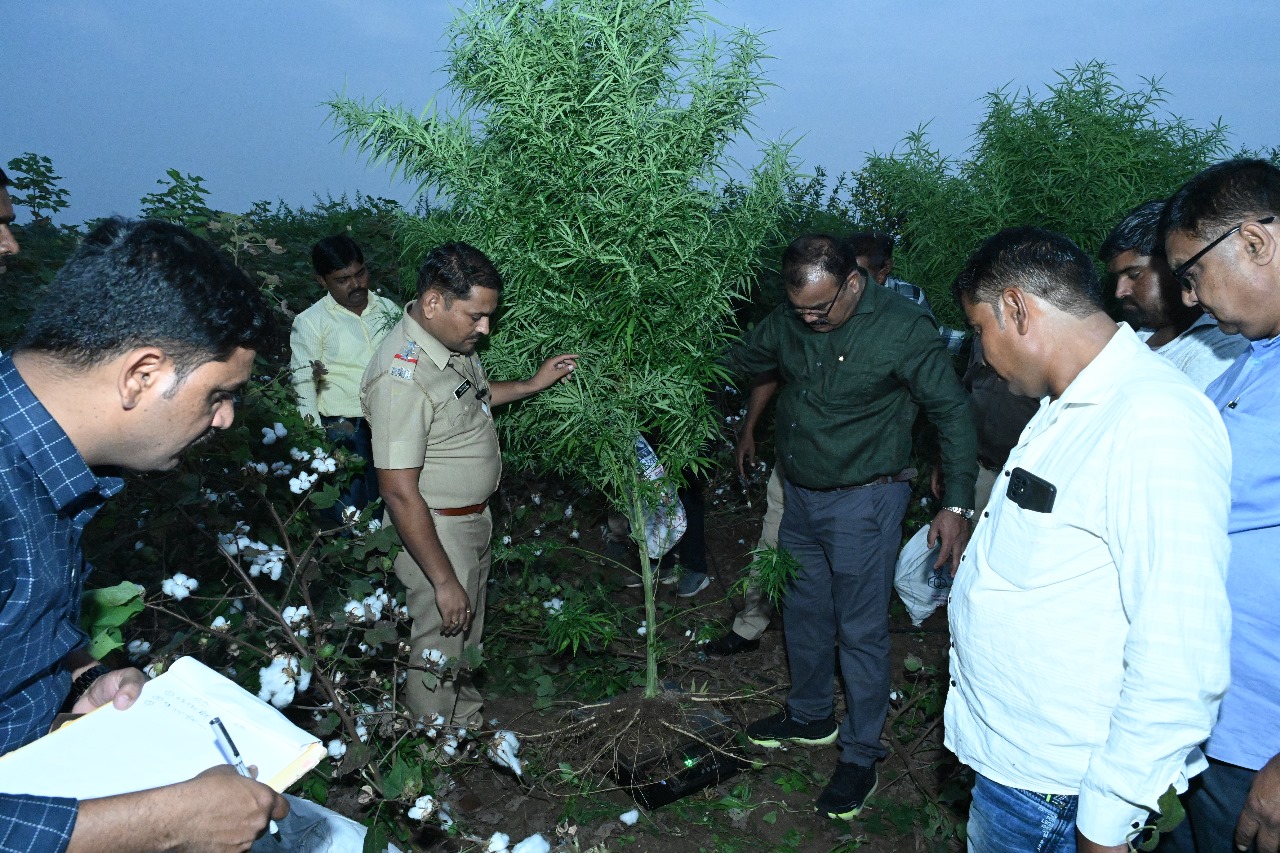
x=856 y=365
x=134 y=354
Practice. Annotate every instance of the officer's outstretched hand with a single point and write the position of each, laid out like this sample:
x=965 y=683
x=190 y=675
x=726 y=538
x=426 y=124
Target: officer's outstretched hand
x=558 y=368
x=454 y=607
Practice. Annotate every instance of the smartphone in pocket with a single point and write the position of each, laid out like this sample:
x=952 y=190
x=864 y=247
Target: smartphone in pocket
x=1031 y=492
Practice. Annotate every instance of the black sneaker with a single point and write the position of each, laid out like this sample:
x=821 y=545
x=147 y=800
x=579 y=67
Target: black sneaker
x=772 y=731
x=848 y=790
x=731 y=643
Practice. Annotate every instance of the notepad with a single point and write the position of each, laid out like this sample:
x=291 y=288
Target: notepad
x=162 y=739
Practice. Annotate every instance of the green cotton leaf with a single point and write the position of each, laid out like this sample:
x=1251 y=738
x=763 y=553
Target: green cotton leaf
x=912 y=663
x=104 y=611
x=399 y=777
x=105 y=641
x=326 y=497
x=383 y=632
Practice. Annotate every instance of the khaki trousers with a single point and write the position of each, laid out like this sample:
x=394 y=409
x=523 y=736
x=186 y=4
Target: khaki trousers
x=753 y=619
x=466 y=542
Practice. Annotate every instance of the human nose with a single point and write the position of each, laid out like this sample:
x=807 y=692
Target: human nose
x=483 y=326
x=8 y=242
x=1124 y=287
x=1189 y=297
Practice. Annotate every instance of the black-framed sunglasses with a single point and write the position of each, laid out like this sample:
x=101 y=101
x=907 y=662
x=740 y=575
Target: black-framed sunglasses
x=1180 y=273
x=823 y=311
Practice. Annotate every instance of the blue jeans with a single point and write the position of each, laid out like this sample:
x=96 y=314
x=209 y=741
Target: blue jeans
x=1011 y=820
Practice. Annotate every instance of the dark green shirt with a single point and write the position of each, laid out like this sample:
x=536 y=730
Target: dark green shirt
x=849 y=397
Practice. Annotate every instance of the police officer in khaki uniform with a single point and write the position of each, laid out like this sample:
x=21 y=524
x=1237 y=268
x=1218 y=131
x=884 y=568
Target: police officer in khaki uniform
x=436 y=453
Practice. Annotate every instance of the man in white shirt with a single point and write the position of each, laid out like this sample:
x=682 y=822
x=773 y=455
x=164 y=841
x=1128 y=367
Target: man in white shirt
x=1150 y=300
x=331 y=344
x=1089 y=618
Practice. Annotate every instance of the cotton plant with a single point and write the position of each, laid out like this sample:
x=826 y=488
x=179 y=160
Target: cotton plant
x=502 y=750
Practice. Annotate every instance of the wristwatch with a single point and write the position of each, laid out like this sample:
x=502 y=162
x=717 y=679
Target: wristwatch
x=85 y=680
x=966 y=514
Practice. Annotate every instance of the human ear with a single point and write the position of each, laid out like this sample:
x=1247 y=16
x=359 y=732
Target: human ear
x=142 y=371
x=1014 y=302
x=1259 y=243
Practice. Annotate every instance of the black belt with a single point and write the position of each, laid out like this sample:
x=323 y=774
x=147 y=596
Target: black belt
x=883 y=480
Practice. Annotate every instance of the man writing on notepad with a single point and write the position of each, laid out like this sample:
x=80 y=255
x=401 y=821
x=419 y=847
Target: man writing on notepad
x=133 y=355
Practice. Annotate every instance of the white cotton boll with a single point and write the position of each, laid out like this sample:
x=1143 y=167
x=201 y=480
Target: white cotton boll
x=220 y=623
x=279 y=430
x=533 y=844
x=449 y=746
x=536 y=498
x=179 y=586
x=281 y=469
x=568 y=511
x=137 y=648
x=298 y=454
x=630 y=818
x=574 y=534
x=506 y=540
x=643 y=629
x=151 y=670
x=302 y=482
x=269 y=435
x=337 y=748
x=502 y=750
x=537 y=531
x=362 y=732
x=537 y=553
x=435 y=660
x=554 y=606
x=350 y=515
x=499 y=842
x=282 y=680
x=422 y=808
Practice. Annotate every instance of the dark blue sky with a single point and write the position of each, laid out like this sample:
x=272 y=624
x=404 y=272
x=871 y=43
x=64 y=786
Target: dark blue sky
x=118 y=91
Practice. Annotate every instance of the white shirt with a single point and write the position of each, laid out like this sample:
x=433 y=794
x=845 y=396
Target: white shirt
x=1089 y=644
x=1203 y=351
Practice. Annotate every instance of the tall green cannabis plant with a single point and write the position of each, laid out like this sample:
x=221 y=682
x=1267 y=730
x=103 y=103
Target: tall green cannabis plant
x=585 y=154
x=1075 y=160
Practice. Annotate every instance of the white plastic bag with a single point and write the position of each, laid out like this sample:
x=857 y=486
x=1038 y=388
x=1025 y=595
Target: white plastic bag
x=922 y=589
x=665 y=523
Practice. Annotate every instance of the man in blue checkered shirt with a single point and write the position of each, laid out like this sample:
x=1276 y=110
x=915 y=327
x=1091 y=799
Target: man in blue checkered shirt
x=134 y=354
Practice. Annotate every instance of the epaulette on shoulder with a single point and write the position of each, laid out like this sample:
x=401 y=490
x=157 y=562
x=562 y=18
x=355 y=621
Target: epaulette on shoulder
x=405 y=361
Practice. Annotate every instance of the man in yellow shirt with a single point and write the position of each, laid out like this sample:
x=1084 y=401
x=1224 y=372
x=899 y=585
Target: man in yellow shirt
x=332 y=342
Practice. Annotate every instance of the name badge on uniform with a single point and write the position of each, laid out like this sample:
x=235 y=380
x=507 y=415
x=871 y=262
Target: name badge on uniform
x=461 y=389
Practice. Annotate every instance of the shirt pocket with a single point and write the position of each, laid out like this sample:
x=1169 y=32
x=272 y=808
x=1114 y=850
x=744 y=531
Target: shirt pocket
x=855 y=380
x=1032 y=550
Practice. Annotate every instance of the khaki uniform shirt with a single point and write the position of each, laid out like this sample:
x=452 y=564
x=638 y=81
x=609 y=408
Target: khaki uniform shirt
x=428 y=406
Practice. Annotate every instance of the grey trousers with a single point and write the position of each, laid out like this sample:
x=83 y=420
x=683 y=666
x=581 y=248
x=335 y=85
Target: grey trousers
x=847 y=543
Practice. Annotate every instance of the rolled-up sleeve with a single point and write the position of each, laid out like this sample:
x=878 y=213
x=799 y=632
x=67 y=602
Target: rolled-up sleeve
x=29 y=823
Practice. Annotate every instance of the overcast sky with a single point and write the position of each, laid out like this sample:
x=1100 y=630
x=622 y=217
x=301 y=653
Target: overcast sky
x=118 y=91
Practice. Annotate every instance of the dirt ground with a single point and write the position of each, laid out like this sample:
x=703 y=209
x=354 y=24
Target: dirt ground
x=917 y=807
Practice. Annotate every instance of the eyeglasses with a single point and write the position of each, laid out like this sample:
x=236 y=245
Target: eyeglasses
x=820 y=313
x=1180 y=274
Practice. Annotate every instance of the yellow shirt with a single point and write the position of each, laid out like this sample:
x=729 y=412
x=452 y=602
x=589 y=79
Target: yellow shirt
x=343 y=342
x=428 y=406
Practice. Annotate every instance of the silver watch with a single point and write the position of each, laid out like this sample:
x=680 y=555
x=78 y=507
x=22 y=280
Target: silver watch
x=966 y=514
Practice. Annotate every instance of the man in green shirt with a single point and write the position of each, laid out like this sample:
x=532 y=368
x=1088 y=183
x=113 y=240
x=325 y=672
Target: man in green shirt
x=856 y=365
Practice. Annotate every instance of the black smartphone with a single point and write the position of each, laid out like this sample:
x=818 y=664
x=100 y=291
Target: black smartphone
x=1031 y=492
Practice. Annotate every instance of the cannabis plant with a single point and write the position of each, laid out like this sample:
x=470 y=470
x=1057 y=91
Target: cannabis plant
x=585 y=154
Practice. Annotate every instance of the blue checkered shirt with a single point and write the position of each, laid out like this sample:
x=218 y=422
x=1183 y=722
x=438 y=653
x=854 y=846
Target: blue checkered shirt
x=47 y=496
x=954 y=338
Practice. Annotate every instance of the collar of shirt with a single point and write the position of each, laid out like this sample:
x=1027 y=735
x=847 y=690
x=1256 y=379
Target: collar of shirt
x=1094 y=384
x=431 y=346
x=38 y=436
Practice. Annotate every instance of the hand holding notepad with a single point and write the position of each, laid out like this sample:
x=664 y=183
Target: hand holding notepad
x=165 y=738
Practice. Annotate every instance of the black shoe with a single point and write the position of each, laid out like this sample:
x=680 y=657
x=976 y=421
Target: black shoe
x=772 y=731
x=847 y=792
x=731 y=643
